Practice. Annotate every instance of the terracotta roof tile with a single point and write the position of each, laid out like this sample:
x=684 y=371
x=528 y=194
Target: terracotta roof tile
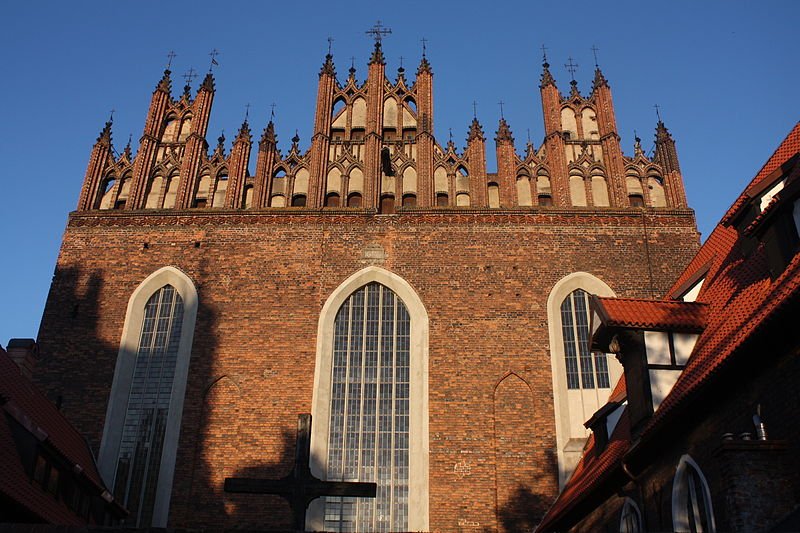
x=652 y=314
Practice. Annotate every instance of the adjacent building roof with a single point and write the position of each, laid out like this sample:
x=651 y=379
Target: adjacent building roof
x=21 y=402
x=738 y=302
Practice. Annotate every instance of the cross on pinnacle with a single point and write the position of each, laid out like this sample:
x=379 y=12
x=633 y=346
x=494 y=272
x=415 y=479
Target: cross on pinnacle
x=214 y=53
x=330 y=44
x=424 y=42
x=474 y=109
x=571 y=67
x=500 y=103
x=246 y=111
x=190 y=75
x=300 y=486
x=378 y=32
x=272 y=111
x=594 y=53
x=111 y=118
x=658 y=111
x=170 y=56
x=544 y=54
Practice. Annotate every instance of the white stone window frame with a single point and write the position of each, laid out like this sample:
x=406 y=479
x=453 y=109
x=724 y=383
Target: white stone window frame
x=629 y=507
x=680 y=487
x=123 y=375
x=561 y=394
x=418 y=484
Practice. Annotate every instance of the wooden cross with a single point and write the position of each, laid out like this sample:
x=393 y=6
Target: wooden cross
x=571 y=67
x=594 y=52
x=170 y=56
x=378 y=32
x=300 y=486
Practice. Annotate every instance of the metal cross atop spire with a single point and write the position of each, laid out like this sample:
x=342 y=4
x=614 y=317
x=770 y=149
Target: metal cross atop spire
x=170 y=56
x=474 y=109
x=594 y=52
x=246 y=111
x=424 y=42
x=571 y=67
x=214 y=53
x=658 y=112
x=111 y=118
x=378 y=32
x=272 y=111
x=190 y=75
x=330 y=44
x=500 y=103
x=544 y=54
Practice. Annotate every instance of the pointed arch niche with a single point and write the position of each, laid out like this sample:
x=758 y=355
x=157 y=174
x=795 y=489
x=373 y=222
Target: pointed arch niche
x=579 y=393
x=372 y=278
x=168 y=297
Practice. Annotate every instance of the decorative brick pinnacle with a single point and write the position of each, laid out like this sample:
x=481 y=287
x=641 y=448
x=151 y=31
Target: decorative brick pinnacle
x=662 y=133
x=328 y=67
x=599 y=79
x=504 y=132
x=244 y=133
x=424 y=66
x=547 y=78
x=377 y=55
x=208 y=83
x=475 y=131
x=165 y=84
x=105 y=134
x=268 y=137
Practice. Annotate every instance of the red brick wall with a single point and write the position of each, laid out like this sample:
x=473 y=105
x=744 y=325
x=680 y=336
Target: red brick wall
x=262 y=278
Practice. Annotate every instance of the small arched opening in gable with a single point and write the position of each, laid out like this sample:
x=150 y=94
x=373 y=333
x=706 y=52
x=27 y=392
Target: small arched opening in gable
x=105 y=198
x=221 y=190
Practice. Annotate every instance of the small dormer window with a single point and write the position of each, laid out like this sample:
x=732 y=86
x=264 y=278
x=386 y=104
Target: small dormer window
x=770 y=194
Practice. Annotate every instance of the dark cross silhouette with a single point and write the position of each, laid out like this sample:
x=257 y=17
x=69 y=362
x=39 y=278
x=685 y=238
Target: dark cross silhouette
x=272 y=111
x=111 y=118
x=500 y=103
x=170 y=56
x=401 y=61
x=658 y=112
x=378 y=32
x=571 y=67
x=529 y=135
x=246 y=111
x=300 y=486
x=424 y=42
x=214 y=53
x=330 y=44
x=544 y=54
x=450 y=131
x=353 y=63
x=594 y=52
x=474 y=109
x=190 y=76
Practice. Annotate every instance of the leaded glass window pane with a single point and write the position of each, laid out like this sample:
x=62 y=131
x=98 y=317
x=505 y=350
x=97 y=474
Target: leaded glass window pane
x=369 y=419
x=585 y=370
x=139 y=458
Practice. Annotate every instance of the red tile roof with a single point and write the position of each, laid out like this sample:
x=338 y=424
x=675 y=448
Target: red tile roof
x=741 y=301
x=664 y=315
x=22 y=401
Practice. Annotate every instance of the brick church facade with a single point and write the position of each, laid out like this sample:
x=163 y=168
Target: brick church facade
x=429 y=314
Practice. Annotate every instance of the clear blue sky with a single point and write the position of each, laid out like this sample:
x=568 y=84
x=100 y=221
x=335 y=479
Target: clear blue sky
x=725 y=74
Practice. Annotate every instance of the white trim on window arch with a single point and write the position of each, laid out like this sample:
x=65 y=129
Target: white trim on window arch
x=570 y=433
x=418 y=393
x=630 y=504
x=123 y=375
x=680 y=520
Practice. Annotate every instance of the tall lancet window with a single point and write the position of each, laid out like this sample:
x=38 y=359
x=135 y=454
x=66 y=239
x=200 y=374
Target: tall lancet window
x=142 y=427
x=585 y=370
x=142 y=442
x=370 y=406
x=369 y=414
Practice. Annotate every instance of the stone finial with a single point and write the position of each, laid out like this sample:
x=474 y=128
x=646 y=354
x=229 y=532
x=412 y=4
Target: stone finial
x=475 y=131
x=165 y=84
x=127 y=152
x=220 y=144
x=637 y=146
x=268 y=137
x=547 y=77
x=599 y=80
x=328 y=68
x=296 y=142
x=504 y=132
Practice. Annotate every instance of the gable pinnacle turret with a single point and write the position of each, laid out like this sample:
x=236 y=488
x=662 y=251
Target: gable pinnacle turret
x=475 y=131
x=208 y=82
x=504 y=132
x=599 y=79
x=127 y=152
x=268 y=137
x=165 y=83
x=244 y=132
x=105 y=134
x=547 y=77
x=328 y=67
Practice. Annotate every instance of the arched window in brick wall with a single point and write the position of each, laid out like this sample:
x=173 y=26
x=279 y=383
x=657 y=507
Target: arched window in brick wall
x=581 y=380
x=370 y=406
x=630 y=520
x=692 y=510
x=142 y=426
